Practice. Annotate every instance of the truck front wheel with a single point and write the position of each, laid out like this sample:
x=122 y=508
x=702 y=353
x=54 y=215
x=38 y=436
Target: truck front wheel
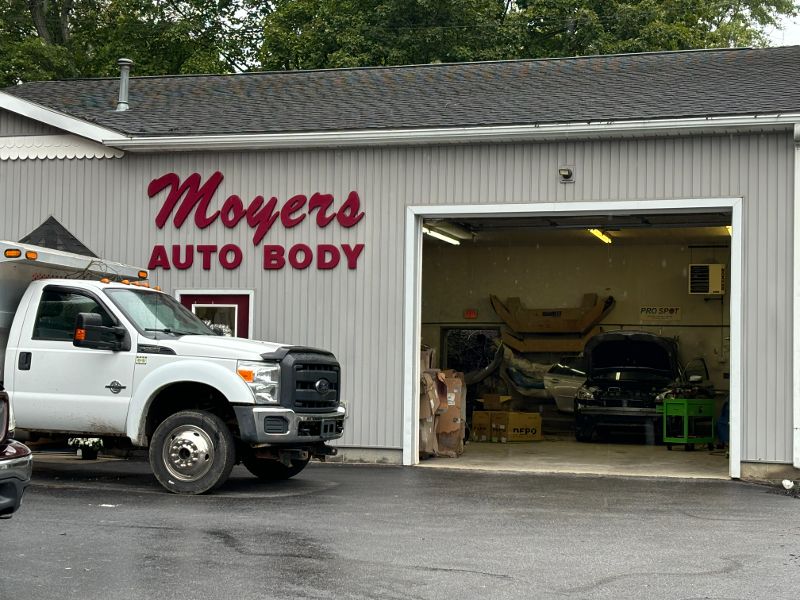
x=270 y=469
x=192 y=452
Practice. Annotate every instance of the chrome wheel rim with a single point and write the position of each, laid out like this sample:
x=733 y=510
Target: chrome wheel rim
x=188 y=453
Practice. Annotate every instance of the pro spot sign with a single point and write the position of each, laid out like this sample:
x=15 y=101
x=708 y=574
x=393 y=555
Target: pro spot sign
x=659 y=314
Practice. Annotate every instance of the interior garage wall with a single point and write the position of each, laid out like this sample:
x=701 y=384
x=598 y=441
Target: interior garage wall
x=358 y=314
x=12 y=124
x=556 y=275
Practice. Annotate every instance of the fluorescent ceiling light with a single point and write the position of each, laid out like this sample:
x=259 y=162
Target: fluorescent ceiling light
x=600 y=235
x=440 y=236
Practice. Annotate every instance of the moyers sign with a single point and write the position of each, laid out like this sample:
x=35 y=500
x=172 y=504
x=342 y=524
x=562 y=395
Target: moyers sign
x=192 y=202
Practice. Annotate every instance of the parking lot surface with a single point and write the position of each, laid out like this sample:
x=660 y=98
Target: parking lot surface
x=105 y=529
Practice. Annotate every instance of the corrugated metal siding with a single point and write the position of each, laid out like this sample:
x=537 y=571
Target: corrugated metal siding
x=358 y=314
x=13 y=124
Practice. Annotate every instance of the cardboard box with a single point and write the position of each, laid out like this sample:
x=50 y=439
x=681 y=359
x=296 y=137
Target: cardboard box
x=524 y=427
x=481 y=426
x=450 y=433
x=449 y=421
x=516 y=427
x=456 y=389
x=428 y=443
x=499 y=424
x=428 y=396
x=495 y=402
x=440 y=389
x=426 y=357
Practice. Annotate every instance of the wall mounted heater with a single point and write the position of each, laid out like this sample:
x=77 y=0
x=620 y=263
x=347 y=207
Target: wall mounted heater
x=706 y=279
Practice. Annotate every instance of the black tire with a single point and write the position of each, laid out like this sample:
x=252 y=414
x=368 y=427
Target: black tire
x=192 y=452
x=269 y=469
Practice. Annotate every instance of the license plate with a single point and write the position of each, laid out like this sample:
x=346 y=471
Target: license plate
x=327 y=428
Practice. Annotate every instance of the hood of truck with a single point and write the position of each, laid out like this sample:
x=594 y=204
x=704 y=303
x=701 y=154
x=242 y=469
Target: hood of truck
x=216 y=346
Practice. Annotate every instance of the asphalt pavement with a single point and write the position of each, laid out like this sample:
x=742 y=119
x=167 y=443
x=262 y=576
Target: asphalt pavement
x=105 y=529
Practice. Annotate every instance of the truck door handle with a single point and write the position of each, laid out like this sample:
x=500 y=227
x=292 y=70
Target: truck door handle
x=24 y=361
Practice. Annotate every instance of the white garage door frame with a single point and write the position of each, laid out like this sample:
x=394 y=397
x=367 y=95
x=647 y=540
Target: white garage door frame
x=412 y=300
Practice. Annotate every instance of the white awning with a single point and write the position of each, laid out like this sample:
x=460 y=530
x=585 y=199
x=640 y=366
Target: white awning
x=52 y=147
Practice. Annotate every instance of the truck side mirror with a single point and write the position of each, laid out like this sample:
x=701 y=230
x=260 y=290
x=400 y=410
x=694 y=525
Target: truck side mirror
x=91 y=333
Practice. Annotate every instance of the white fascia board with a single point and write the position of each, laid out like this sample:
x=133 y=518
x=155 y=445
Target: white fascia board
x=51 y=117
x=796 y=306
x=455 y=135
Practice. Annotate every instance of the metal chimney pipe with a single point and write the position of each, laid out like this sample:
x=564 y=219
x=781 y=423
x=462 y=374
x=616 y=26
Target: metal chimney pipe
x=124 y=76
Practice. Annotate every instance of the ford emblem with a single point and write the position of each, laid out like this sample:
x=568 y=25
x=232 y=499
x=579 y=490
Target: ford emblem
x=323 y=386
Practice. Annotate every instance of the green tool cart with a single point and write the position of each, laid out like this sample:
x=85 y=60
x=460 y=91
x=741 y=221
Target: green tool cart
x=689 y=421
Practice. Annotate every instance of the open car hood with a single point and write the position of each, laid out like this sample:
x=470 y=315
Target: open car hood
x=631 y=351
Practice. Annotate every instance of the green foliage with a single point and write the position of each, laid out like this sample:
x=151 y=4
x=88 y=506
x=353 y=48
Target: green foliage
x=69 y=38
x=46 y=39
x=302 y=34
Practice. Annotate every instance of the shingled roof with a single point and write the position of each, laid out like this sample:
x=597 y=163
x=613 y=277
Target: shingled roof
x=569 y=90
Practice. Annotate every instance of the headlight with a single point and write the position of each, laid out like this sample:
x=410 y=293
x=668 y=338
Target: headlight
x=263 y=378
x=584 y=394
x=667 y=395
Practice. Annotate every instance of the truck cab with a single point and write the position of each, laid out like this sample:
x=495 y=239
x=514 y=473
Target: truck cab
x=112 y=357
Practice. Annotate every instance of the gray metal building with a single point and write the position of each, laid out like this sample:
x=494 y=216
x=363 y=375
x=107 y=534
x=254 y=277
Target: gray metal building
x=644 y=134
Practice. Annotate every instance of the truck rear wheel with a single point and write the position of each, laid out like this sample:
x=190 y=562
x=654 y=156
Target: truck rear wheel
x=270 y=469
x=192 y=452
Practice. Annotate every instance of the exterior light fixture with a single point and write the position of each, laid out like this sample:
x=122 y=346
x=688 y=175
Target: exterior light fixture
x=600 y=235
x=566 y=174
x=440 y=236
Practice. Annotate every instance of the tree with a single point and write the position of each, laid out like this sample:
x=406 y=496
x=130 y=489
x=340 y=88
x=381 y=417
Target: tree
x=307 y=34
x=302 y=34
x=44 y=39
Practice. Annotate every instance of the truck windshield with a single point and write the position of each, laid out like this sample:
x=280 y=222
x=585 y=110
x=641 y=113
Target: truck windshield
x=157 y=315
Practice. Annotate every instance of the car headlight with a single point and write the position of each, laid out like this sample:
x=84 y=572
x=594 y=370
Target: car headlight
x=584 y=393
x=666 y=395
x=263 y=378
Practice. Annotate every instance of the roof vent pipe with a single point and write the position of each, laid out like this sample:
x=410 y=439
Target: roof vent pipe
x=124 y=77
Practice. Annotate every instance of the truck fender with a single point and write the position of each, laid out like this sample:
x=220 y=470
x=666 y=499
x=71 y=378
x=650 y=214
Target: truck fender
x=224 y=380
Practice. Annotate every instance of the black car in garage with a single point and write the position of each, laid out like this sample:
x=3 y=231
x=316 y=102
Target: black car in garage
x=16 y=463
x=628 y=372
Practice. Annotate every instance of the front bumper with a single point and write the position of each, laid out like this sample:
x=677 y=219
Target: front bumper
x=619 y=411
x=16 y=466
x=277 y=425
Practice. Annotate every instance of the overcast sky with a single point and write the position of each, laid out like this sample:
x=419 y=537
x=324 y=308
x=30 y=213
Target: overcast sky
x=790 y=36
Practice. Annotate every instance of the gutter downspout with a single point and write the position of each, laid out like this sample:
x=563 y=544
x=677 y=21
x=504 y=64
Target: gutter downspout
x=796 y=302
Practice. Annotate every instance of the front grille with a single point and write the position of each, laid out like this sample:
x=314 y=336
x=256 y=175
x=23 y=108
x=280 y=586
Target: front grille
x=615 y=396
x=313 y=382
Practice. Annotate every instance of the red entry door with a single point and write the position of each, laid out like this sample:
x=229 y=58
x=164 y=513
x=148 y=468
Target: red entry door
x=229 y=313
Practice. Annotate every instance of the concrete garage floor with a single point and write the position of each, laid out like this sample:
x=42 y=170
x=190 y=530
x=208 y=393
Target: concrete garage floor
x=560 y=455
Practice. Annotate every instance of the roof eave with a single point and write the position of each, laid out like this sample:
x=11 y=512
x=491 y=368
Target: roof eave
x=458 y=135
x=59 y=120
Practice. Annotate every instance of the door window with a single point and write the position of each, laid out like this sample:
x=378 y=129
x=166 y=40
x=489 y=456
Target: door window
x=225 y=313
x=58 y=310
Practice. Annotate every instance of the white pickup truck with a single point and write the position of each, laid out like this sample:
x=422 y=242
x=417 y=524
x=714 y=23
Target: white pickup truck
x=88 y=349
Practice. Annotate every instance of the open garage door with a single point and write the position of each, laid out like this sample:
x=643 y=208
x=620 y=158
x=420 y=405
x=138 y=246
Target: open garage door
x=585 y=342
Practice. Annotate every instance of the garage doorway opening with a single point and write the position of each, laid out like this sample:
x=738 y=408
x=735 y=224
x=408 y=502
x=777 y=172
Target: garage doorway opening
x=658 y=271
